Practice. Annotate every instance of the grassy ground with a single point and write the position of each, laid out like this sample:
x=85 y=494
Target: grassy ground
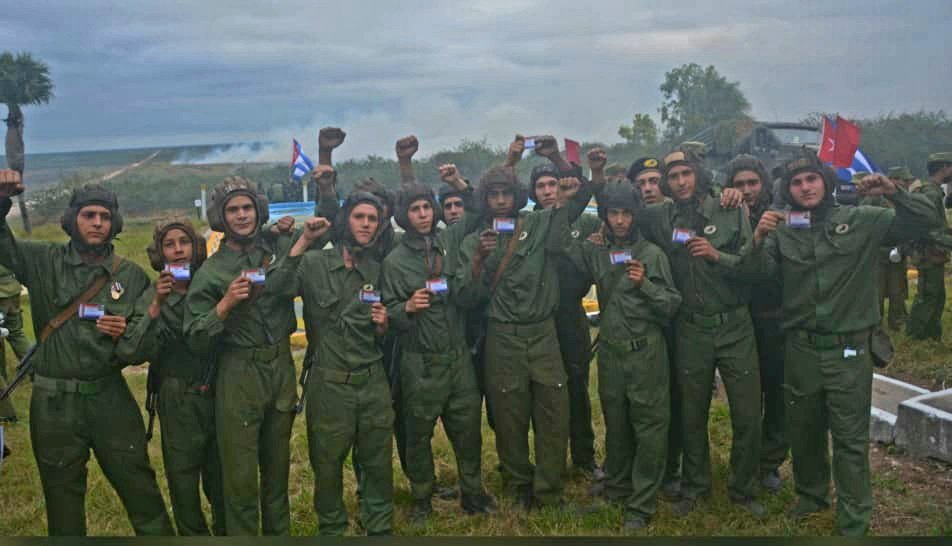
x=905 y=489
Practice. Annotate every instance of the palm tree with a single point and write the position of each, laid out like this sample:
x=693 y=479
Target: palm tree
x=23 y=81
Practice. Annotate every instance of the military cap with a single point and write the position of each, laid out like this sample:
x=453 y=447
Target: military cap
x=940 y=158
x=641 y=165
x=902 y=173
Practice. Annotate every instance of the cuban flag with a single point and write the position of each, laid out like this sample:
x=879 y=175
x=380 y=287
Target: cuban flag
x=861 y=164
x=300 y=163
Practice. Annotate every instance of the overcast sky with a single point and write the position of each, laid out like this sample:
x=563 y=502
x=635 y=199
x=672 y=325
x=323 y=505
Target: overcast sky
x=132 y=73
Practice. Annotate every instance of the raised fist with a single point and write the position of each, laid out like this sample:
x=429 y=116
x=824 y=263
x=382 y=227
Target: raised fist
x=407 y=146
x=516 y=148
x=597 y=159
x=330 y=137
x=324 y=176
x=10 y=183
x=546 y=146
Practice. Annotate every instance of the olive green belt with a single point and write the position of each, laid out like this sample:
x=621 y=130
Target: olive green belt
x=357 y=377
x=443 y=358
x=633 y=345
x=832 y=341
x=80 y=386
x=713 y=320
x=266 y=353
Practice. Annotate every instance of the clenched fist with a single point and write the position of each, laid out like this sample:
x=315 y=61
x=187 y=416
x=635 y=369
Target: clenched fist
x=330 y=137
x=10 y=183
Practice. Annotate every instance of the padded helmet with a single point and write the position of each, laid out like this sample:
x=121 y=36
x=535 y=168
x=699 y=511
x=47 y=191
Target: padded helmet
x=162 y=227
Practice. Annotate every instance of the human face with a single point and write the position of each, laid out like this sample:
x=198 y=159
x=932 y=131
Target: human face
x=619 y=221
x=807 y=189
x=681 y=180
x=749 y=184
x=241 y=217
x=547 y=191
x=648 y=184
x=500 y=202
x=453 y=210
x=945 y=175
x=420 y=214
x=363 y=222
x=94 y=223
x=177 y=247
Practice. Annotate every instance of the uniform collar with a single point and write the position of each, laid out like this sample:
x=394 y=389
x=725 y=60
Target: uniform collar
x=363 y=265
x=73 y=257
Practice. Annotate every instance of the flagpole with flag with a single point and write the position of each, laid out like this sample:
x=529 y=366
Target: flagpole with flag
x=300 y=165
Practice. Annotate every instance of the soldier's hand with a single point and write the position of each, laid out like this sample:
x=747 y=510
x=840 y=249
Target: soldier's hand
x=768 y=222
x=163 y=286
x=597 y=238
x=10 y=183
x=111 y=325
x=731 y=198
x=324 y=176
x=546 y=146
x=238 y=291
x=487 y=243
x=378 y=315
x=284 y=225
x=329 y=138
x=699 y=247
x=516 y=147
x=419 y=301
x=407 y=146
x=636 y=272
x=876 y=184
x=315 y=228
x=568 y=188
x=450 y=175
x=597 y=158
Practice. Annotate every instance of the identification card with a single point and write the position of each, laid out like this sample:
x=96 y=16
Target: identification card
x=369 y=296
x=846 y=188
x=849 y=352
x=798 y=219
x=681 y=235
x=619 y=256
x=256 y=276
x=91 y=311
x=504 y=225
x=437 y=286
x=529 y=144
x=180 y=272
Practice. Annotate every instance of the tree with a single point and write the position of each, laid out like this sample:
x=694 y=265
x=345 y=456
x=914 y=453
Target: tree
x=695 y=98
x=24 y=81
x=642 y=132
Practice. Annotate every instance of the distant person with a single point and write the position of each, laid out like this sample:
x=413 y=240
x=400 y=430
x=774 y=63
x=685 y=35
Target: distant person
x=80 y=400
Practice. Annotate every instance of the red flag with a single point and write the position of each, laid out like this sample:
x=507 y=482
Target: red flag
x=827 y=141
x=572 y=151
x=847 y=142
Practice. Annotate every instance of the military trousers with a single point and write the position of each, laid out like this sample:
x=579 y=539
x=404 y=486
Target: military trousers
x=893 y=287
x=925 y=317
x=526 y=383
x=7 y=412
x=441 y=386
x=581 y=433
x=829 y=388
x=190 y=452
x=255 y=395
x=773 y=441
x=351 y=411
x=633 y=382
x=13 y=321
x=672 y=468
x=725 y=342
x=68 y=418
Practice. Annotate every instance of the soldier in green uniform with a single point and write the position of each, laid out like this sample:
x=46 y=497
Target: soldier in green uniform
x=925 y=316
x=510 y=264
x=826 y=260
x=645 y=175
x=637 y=298
x=747 y=174
x=239 y=311
x=185 y=404
x=438 y=380
x=713 y=328
x=12 y=316
x=571 y=323
x=350 y=405
x=80 y=401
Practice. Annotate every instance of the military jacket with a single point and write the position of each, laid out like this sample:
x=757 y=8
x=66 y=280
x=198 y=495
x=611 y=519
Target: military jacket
x=261 y=321
x=627 y=311
x=705 y=287
x=926 y=253
x=571 y=325
x=9 y=285
x=56 y=275
x=828 y=271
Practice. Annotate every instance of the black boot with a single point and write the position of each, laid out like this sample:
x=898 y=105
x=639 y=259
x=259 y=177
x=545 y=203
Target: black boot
x=481 y=503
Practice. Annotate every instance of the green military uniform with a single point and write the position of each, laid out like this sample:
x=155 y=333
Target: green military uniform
x=186 y=412
x=526 y=380
x=713 y=329
x=349 y=396
x=829 y=312
x=80 y=400
x=925 y=316
x=12 y=317
x=633 y=370
x=892 y=275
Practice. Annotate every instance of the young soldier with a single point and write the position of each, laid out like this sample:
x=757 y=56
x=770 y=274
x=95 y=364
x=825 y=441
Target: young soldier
x=713 y=329
x=645 y=175
x=511 y=267
x=239 y=310
x=437 y=376
x=748 y=175
x=637 y=298
x=185 y=404
x=350 y=406
x=80 y=401
x=827 y=263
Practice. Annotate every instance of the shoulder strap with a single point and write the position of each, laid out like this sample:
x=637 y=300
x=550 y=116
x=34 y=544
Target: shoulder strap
x=70 y=311
x=510 y=250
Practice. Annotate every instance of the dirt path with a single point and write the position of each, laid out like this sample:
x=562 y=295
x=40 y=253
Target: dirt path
x=129 y=167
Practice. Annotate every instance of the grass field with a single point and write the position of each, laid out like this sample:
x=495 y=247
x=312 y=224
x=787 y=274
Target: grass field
x=907 y=491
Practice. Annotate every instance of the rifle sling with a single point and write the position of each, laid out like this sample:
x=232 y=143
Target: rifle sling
x=510 y=250
x=70 y=311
